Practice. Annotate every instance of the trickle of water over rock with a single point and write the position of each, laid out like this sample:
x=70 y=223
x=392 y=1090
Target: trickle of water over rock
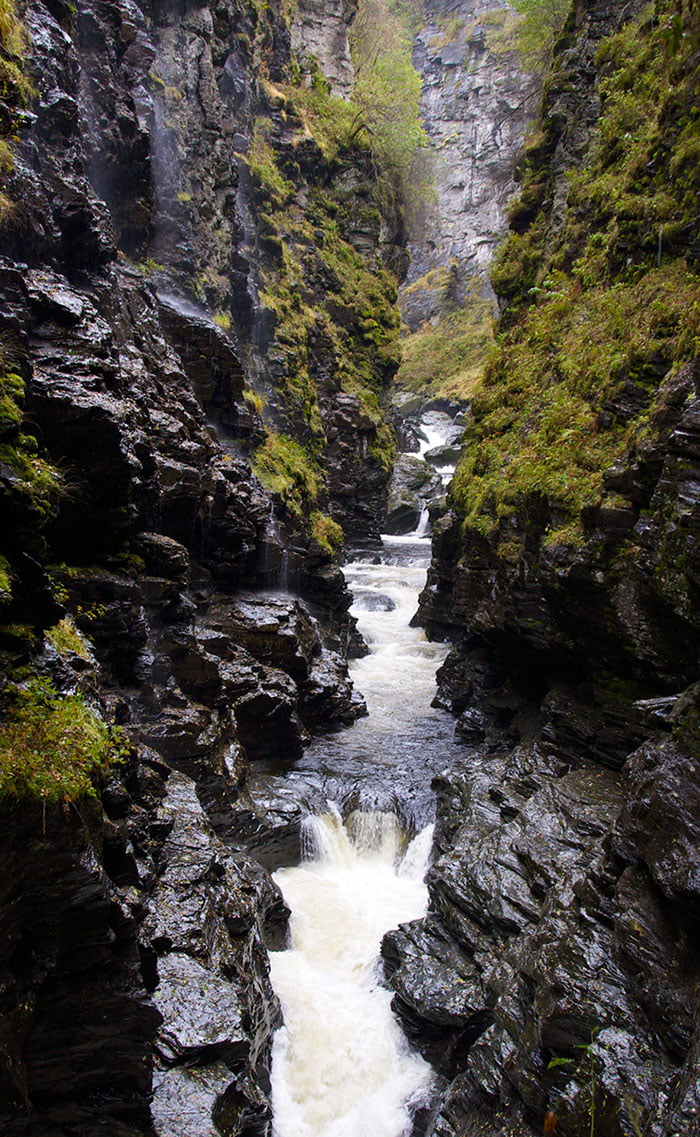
x=341 y=1065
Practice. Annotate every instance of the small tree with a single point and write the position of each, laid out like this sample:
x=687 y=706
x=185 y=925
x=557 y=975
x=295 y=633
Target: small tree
x=387 y=95
x=542 y=24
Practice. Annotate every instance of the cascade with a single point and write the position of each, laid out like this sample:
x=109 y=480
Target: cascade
x=341 y=1065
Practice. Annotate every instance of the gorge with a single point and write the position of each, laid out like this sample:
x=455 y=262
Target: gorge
x=251 y=255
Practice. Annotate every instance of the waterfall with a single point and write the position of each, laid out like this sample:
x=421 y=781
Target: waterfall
x=274 y=556
x=341 y=1065
x=423 y=526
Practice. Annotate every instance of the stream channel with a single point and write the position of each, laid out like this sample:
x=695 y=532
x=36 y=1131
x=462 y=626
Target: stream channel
x=341 y=1064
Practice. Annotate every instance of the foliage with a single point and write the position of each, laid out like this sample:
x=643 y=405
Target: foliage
x=260 y=160
x=387 y=95
x=537 y=426
x=355 y=313
x=503 y=29
x=541 y=25
x=635 y=199
x=15 y=90
x=53 y=747
x=5 y=580
x=67 y=640
x=411 y=13
x=37 y=485
x=326 y=532
x=599 y=310
x=328 y=119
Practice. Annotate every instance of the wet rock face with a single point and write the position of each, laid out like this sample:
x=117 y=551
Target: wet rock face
x=203 y=937
x=559 y=944
x=563 y=905
x=134 y=989
x=414 y=483
x=144 y=977
x=72 y=992
x=555 y=972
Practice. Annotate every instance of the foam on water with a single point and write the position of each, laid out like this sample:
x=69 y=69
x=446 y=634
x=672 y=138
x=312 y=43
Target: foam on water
x=341 y=1065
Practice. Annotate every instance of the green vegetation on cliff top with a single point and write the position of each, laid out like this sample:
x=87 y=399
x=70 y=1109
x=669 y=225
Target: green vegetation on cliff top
x=598 y=312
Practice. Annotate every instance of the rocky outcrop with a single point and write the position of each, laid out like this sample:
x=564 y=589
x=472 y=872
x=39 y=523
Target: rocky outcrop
x=555 y=977
x=414 y=483
x=320 y=35
x=143 y=973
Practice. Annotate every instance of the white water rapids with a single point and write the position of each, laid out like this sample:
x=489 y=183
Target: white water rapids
x=341 y=1065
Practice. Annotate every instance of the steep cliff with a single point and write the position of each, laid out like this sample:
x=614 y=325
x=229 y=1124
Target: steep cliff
x=196 y=335
x=477 y=101
x=559 y=956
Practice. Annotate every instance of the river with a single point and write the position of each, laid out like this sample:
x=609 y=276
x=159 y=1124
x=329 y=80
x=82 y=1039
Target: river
x=341 y=1065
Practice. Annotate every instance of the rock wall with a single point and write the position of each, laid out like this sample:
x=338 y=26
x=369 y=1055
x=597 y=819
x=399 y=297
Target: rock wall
x=554 y=981
x=144 y=563
x=320 y=30
x=476 y=104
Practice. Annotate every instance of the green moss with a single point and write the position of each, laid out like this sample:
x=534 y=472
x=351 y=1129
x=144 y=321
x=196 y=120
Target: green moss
x=327 y=119
x=331 y=314
x=53 y=747
x=253 y=400
x=537 y=427
x=286 y=469
x=37 y=486
x=15 y=90
x=597 y=312
x=170 y=94
x=5 y=581
x=15 y=87
x=326 y=532
x=503 y=29
x=18 y=640
x=355 y=312
x=263 y=168
x=67 y=640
